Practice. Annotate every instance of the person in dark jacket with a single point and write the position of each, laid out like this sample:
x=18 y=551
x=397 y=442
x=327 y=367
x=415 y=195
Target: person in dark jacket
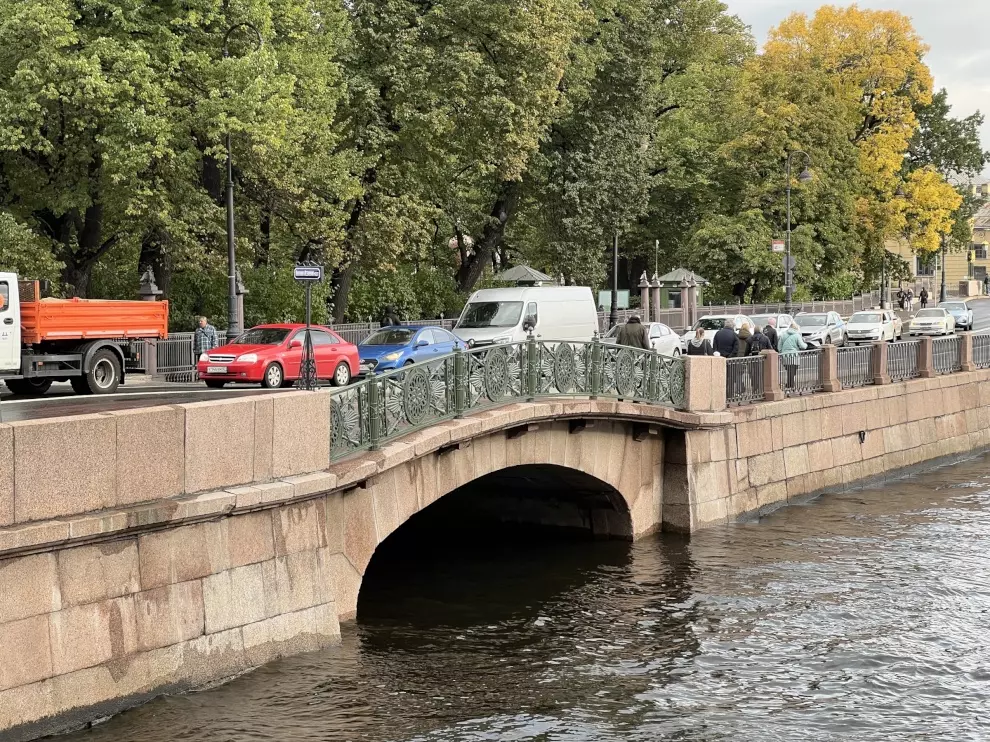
x=771 y=332
x=759 y=342
x=726 y=343
x=924 y=297
x=389 y=319
x=634 y=334
x=742 y=347
x=699 y=345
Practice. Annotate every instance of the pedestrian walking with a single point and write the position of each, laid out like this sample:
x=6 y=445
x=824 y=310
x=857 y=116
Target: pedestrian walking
x=771 y=332
x=910 y=300
x=699 y=345
x=205 y=338
x=901 y=297
x=389 y=318
x=791 y=343
x=986 y=285
x=726 y=342
x=634 y=334
x=760 y=341
x=924 y=297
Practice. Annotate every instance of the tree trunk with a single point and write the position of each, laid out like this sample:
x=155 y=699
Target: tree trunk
x=491 y=238
x=343 y=274
x=340 y=284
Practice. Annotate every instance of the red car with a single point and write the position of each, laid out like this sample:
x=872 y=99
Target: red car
x=272 y=355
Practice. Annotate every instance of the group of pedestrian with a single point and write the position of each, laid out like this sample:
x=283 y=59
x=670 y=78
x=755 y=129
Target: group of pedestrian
x=752 y=340
x=905 y=298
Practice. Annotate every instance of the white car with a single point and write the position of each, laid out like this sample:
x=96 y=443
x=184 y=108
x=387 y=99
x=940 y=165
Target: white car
x=783 y=320
x=822 y=328
x=663 y=340
x=711 y=324
x=871 y=326
x=960 y=311
x=933 y=322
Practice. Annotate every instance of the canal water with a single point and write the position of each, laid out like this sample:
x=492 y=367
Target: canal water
x=861 y=616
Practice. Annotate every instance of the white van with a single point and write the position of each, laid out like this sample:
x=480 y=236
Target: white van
x=556 y=312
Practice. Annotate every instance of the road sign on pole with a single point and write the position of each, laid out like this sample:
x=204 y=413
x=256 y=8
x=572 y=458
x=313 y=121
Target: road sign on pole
x=778 y=246
x=789 y=263
x=308 y=273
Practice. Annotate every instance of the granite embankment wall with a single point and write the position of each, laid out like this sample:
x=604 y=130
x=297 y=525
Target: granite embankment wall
x=155 y=550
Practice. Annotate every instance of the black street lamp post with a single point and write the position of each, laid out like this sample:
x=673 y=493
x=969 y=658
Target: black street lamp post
x=233 y=316
x=804 y=177
x=613 y=316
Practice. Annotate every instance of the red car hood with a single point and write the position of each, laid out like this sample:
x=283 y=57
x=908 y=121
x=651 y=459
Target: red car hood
x=239 y=350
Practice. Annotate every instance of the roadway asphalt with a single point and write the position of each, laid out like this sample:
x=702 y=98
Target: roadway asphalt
x=61 y=400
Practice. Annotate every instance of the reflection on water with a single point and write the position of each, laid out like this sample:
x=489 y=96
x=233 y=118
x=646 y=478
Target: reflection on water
x=862 y=616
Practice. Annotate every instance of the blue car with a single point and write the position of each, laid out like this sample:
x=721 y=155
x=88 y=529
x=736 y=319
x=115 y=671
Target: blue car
x=394 y=347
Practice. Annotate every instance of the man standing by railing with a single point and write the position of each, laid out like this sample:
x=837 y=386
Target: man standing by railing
x=634 y=334
x=204 y=339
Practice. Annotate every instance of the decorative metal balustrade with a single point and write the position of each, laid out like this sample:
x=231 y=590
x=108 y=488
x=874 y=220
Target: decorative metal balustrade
x=801 y=373
x=855 y=366
x=902 y=360
x=981 y=350
x=380 y=408
x=744 y=380
x=946 y=355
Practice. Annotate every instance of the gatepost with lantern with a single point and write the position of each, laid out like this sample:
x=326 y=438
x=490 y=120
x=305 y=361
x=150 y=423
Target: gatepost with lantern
x=308 y=273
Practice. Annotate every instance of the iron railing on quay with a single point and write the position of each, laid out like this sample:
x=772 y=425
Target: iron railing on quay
x=380 y=408
x=902 y=360
x=801 y=372
x=981 y=350
x=946 y=354
x=855 y=366
x=744 y=380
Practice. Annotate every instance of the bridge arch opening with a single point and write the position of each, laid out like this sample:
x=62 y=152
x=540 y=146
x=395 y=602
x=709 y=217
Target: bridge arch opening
x=470 y=544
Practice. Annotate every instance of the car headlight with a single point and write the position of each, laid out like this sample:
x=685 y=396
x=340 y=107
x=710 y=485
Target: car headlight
x=248 y=358
x=203 y=357
x=392 y=356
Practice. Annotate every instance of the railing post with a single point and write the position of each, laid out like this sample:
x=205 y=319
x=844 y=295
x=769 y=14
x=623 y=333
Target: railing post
x=771 y=376
x=880 y=375
x=830 y=369
x=374 y=413
x=653 y=377
x=532 y=368
x=926 y=359
x=460 y=382
x=597 y=349
x=966 y=361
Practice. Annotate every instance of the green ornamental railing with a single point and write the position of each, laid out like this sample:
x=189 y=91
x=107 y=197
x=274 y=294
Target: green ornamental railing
x=381 y=408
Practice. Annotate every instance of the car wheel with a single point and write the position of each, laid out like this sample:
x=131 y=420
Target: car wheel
x=845 y=341
x=408 y=363
x=342 y=374
x=274 y=376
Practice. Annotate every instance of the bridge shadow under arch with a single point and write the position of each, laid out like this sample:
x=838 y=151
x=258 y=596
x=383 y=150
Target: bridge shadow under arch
x=466 y=548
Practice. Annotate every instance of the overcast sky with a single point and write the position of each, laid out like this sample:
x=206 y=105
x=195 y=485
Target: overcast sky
x=958 y=32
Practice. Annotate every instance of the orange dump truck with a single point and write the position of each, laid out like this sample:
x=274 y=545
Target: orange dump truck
x=74 y=340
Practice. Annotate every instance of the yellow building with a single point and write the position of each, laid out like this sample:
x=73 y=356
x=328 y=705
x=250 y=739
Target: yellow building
x=960 y=264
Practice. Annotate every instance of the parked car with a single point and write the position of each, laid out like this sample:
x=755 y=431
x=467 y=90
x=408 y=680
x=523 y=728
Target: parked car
x=711 y=324
x=783 y=320
x=870 y=326
x=960 y=312
x=663 y=340
x=394 y=347
x=936 y=321
x=822 y=328
x=272 y=356
x=506 y=315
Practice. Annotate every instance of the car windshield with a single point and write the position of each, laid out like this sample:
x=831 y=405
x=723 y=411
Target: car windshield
x=762 y=319
x=390 y=336
x=812 y=320
x=491 y=314
x=710 y=323
x=262 y=336
x=865 y=318
x=930 y=313
x=955 y=306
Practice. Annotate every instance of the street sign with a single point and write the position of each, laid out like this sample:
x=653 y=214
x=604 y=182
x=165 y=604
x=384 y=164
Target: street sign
x=308 y=272
x=778 y=246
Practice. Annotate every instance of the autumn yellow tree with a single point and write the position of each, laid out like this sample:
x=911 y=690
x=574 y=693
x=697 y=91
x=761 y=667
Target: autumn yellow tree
x=930 y=207
x=874 y=63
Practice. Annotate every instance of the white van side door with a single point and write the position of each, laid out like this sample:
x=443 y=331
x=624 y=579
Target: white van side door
x=10 y=324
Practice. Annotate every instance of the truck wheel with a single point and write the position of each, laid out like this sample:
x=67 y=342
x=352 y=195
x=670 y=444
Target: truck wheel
x=104 y=373
x=29 y=387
